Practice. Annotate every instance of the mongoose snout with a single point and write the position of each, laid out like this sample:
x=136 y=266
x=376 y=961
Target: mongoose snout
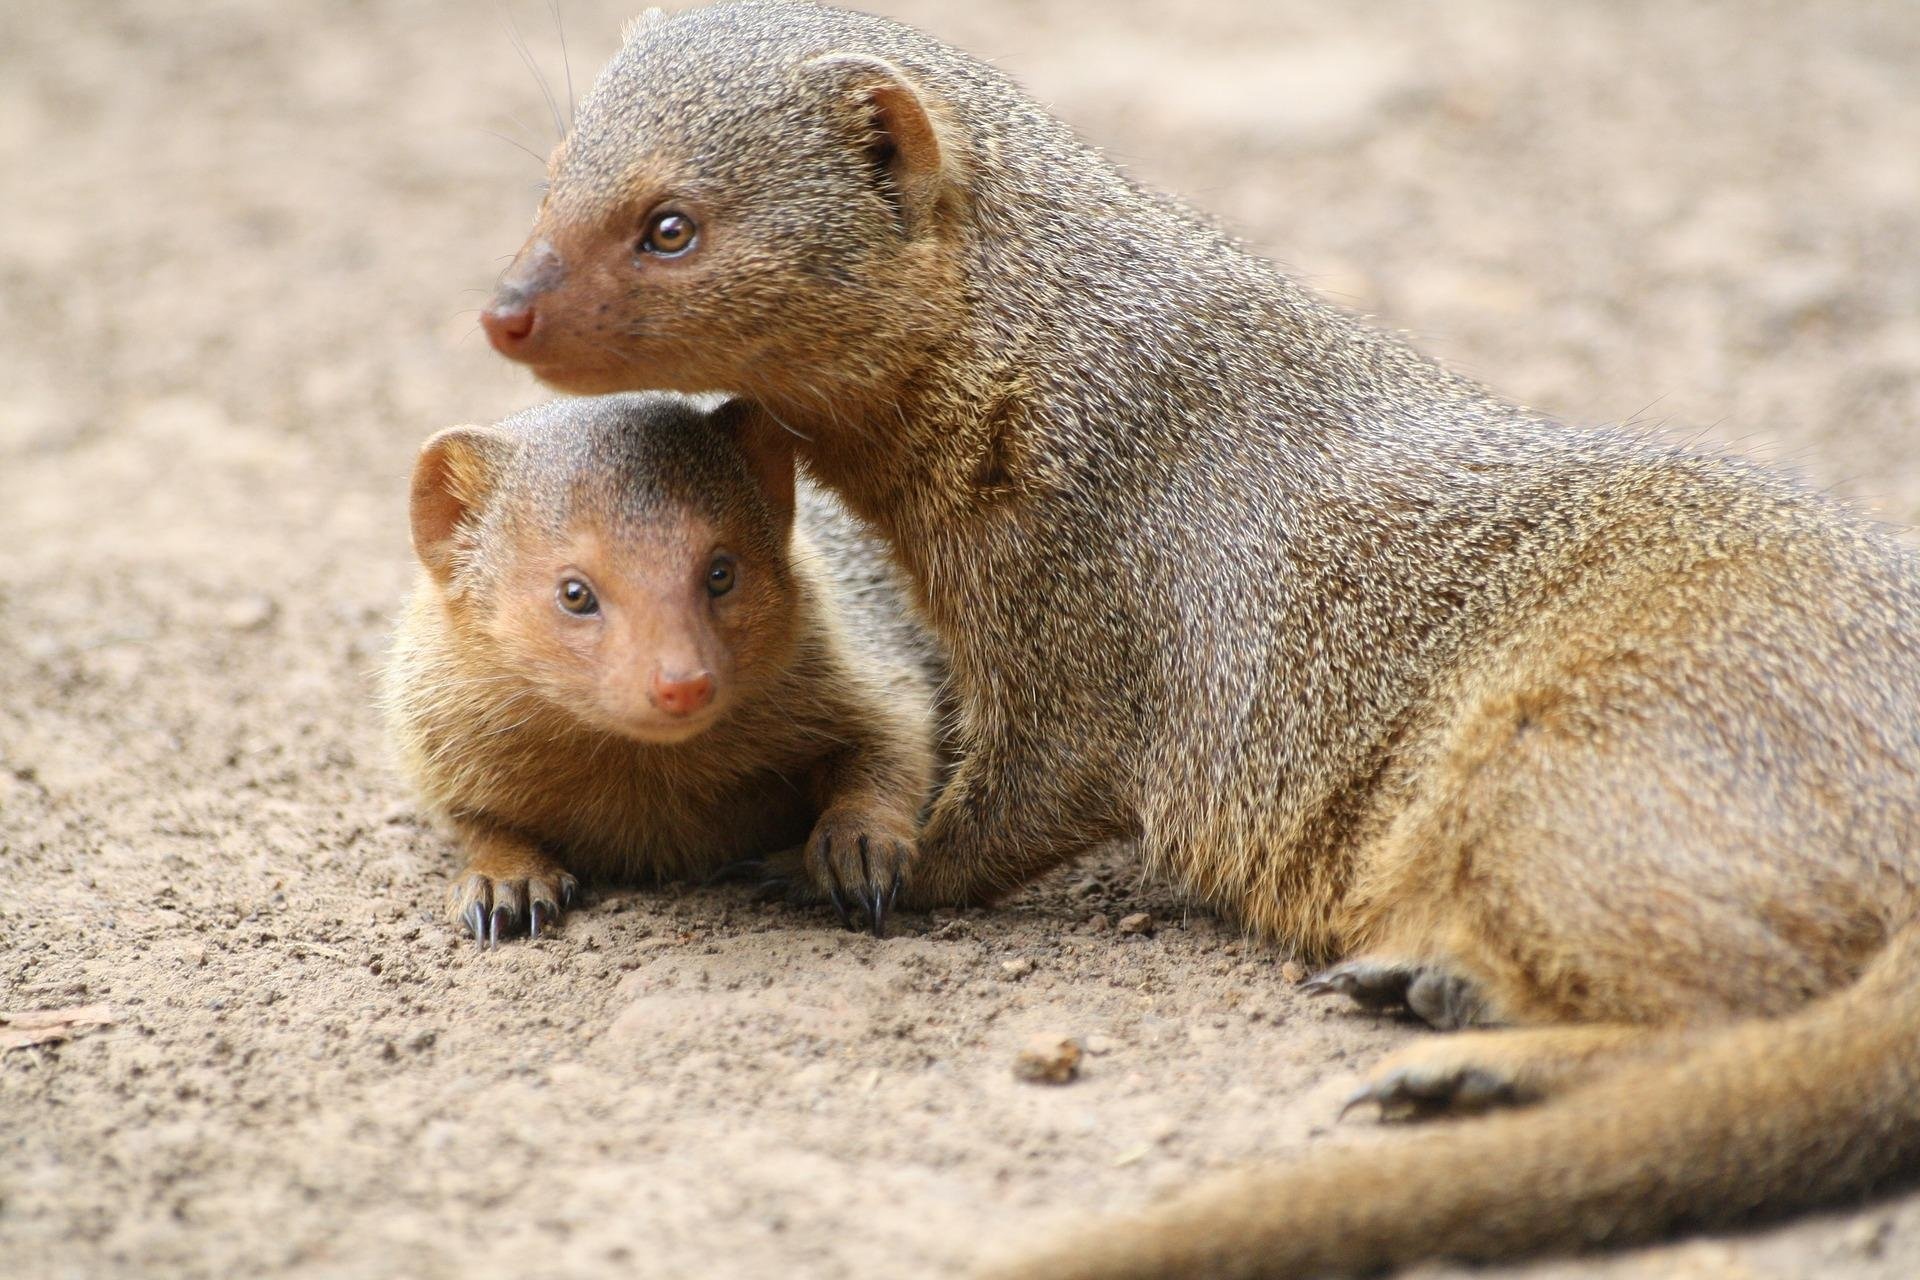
x=511 y=318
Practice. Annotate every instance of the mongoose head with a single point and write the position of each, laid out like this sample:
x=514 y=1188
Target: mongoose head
x=743 y=204
x=624 y=560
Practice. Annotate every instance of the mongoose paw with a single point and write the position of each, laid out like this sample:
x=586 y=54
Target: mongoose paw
x=1375 y=986
x=1419 y=1086
x=1440 y=999
x=854 y=863
x=493 y=910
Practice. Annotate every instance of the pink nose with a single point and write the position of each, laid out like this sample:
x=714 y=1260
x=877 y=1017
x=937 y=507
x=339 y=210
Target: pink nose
x=510 y=318
x=508 y=323
x=683 y=695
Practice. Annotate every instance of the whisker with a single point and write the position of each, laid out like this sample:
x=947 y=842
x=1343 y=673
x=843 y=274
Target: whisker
x=539 y=78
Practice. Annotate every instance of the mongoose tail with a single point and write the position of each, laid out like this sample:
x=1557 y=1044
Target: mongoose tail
x=1763 y=1117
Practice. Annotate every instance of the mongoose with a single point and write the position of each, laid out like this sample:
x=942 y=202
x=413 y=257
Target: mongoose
x=1608 y=740
x=627 y=658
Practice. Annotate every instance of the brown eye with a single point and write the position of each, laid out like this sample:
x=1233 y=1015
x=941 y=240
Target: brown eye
x=577 y=598
x=668 y=235
x=720 y=576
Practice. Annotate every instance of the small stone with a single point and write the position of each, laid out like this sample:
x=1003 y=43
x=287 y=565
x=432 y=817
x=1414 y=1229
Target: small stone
x=1048 y=1059
x=1098 y=922
x=1139 y=924
x=1293 y=971
x=1097 y=1045
x=1016 y=969
x=249 y=613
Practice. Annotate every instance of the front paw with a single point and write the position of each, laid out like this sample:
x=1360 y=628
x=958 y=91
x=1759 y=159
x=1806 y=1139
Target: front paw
x=494 y=908
x=859 y=865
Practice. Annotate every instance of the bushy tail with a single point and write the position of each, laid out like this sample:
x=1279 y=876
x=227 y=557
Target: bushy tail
x=1763 y=1117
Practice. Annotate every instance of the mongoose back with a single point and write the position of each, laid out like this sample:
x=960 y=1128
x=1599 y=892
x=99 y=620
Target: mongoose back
x=626 y=658
x=1606 y=739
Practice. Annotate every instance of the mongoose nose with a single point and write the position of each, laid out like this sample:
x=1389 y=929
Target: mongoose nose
x=681 y=695
x=508 y=321
x=510 y=318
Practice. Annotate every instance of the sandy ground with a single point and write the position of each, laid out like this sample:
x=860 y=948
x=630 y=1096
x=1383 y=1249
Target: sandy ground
x=239 y=252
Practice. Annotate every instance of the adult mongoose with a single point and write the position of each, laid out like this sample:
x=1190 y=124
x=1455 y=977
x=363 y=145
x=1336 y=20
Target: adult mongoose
x=626 y=658
x=1567 y=728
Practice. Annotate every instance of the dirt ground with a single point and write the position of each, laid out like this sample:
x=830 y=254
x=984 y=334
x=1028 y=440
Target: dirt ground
x=239 y=255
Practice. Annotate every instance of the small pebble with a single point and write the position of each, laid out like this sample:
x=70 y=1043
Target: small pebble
x=1098 y=922
x=1138 y=924
x=1293 y=971
x=1014 y=970
x=1048 y=1059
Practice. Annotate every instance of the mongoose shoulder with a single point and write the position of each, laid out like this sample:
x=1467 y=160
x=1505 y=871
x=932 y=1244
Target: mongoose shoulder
x=1526 y=723
x=637 y=651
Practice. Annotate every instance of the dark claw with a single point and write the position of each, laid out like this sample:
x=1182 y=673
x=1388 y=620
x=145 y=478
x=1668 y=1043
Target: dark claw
x=883 y=905
x=539 y=916
x=476 y=922
x=569 y=890
x=834 y=894
x=869 y=905
x=503 y=923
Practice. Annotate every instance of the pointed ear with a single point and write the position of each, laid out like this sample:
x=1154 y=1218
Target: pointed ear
x=899 y=130
x=456 y=471
x=768 y=447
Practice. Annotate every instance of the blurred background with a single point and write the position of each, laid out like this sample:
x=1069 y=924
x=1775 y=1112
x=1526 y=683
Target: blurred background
x=242 y=246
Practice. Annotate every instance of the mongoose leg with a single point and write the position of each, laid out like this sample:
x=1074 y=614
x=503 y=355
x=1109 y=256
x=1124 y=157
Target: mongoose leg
x=508 y=882
x=987 y=836
x=1438 y=996
x=863 y=841
x=1481 y=1070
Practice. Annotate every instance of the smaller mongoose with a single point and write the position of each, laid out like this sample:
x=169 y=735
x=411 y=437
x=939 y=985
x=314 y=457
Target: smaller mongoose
x=627 y=658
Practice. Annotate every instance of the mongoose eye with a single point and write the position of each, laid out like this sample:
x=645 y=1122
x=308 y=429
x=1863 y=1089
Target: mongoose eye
x=720 y=576
x=577 y=598
x=668 y=235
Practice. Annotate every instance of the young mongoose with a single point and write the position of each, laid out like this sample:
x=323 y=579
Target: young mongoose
x=626 y=658
x=1571 y=729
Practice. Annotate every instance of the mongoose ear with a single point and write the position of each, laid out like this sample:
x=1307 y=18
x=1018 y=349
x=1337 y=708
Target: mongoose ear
x=768 y=447
x=900 y=133
x=455 y=472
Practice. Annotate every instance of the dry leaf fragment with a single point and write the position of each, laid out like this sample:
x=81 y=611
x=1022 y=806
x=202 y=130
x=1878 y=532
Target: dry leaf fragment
x=44 y=1026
